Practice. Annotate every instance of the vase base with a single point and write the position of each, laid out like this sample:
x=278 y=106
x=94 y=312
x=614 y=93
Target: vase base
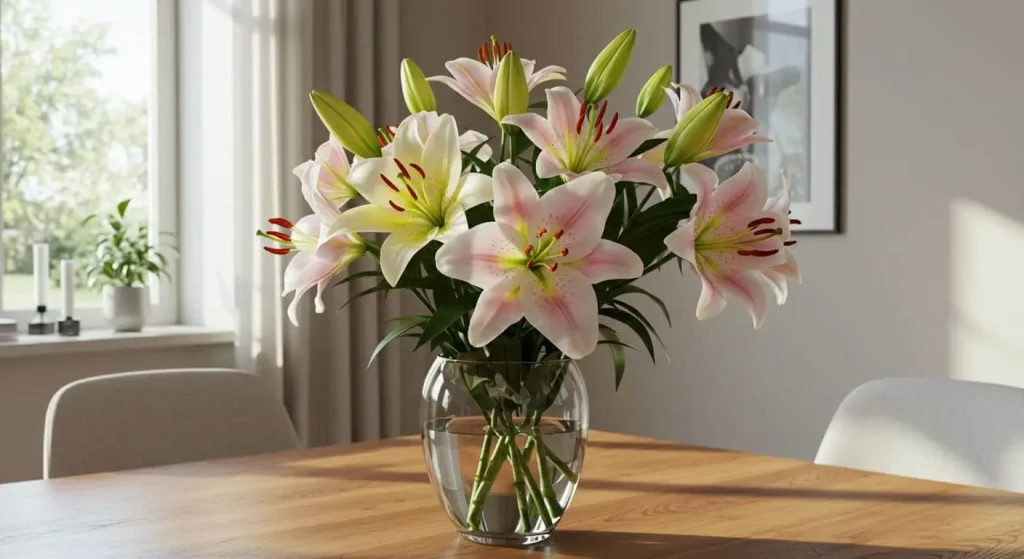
x=506 y=540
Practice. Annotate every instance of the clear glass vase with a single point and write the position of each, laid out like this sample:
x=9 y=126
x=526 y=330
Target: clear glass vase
x=504 y=444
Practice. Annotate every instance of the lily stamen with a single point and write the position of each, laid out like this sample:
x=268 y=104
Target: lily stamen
x=579 y=121
x=390 y=184
x=529 y=249
x=412 y=192
x=281 y=222
x=615 y=120
x=543 y=231
x=565 y=252
x=789 y=243
x=402 y=168
x=553 y=267
x=795 y=221
x=277 y=251
x=761 y=221
x=396 y=206
x=280 y=236
x=419 y=170
x=759 y=253
x=559 y=234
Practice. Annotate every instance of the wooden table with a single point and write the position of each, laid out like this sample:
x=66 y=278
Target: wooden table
x=639 y=498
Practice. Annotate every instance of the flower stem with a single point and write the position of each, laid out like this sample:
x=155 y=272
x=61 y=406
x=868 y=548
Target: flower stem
x=516 y=460
x=560 y=466
x=481 y=465
x=476 y=505
x=545 y=476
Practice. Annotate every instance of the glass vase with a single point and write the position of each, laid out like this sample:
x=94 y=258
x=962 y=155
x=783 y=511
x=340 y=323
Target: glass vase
x=504 y=444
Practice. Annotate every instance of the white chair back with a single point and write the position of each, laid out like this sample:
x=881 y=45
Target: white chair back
x=946 y=430
x=153 y=418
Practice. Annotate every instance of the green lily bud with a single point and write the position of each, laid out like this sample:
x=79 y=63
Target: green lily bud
x=511 y=95
x=652 y=96
x=609 y=66
x=416 y=89
x=346 y=124
x=694 y=132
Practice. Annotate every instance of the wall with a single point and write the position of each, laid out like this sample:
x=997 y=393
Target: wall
x=921 y=283
x=28 y=383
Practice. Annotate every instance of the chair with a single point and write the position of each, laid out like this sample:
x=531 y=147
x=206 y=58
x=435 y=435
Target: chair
x=945 y=430
x=153 y=418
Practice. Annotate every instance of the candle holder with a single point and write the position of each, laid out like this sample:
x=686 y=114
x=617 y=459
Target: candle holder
x=39 y=325
x=69 y=327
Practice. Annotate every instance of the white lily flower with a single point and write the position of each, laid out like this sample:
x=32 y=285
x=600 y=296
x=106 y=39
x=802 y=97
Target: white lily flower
x=417 y=192
x=539 y=259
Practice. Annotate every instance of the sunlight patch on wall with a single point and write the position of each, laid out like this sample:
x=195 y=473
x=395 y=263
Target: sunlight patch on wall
x=986 y=323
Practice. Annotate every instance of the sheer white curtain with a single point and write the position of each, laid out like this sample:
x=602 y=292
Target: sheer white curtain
x=246 y=68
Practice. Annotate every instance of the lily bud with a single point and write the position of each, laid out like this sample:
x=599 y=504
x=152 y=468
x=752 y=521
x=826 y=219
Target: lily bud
x=511 y=94
x=694 y=132
x=652 y=96
x=346 y=124
x=609 y=66
x=416 y=89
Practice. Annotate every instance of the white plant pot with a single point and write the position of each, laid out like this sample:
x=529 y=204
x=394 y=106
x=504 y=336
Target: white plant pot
x=125 y=308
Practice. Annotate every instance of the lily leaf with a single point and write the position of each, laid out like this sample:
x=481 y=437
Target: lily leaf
x=618 y=352
x=629 y=288
x=648 y=146
x=637 y=326
x=404 y=325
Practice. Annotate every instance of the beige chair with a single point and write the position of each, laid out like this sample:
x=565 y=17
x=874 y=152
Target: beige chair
x=946 y=430
x=153 y=418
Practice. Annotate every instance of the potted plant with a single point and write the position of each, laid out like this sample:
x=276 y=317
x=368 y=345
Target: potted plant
x=124 y=258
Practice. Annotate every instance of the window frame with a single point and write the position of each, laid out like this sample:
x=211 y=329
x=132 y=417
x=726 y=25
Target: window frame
x=162 y=174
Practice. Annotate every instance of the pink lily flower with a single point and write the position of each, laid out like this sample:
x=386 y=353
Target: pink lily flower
x=539 y=260
x=730 y=239
x=776 y=276
x=735 y=130
x=575 y=140
x=319 y=255
x=331 y=183
x=424 y=123
x=475 y=80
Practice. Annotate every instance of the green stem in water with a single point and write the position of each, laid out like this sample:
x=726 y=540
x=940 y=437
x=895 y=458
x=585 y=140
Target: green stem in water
x=476 y=505
x=481 y=466
x=516 y=460
x=545 y=476
x=519 y=482
x=561 y=466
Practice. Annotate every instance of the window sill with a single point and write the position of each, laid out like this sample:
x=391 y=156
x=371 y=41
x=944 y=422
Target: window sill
x=106 y=340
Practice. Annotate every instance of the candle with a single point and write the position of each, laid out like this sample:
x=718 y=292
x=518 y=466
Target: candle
x=41 y=271
x=67 y=286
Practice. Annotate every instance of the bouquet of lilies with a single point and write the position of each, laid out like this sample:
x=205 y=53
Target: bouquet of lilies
x=539 y=231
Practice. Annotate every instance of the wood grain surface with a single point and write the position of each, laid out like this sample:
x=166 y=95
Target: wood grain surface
x=639 y=498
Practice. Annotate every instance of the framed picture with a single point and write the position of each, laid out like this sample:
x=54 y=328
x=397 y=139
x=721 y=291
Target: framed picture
x=780 y=60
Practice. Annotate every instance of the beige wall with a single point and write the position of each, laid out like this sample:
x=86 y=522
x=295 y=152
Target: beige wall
x=28 y=383
x=922 y=282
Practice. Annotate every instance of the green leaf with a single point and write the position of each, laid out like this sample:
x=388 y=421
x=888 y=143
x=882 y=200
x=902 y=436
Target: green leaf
x=630 y=288
x=123 y=206
x=404 y=325
x=617 y=350
x=640 y=316
x=648 y=146
x=357 y=275
x=443 y=317
x=382 y=286
x=635 y=324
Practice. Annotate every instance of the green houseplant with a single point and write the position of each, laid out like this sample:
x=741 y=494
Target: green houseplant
x=125 y=257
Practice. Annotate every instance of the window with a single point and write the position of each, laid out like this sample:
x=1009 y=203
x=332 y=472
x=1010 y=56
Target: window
x=88 y=119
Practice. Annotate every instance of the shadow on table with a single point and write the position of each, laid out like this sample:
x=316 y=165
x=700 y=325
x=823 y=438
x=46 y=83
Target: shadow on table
x=620 y=545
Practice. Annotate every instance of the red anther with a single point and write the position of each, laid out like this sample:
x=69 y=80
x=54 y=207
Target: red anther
x=486 y=52
x=480 y=54
x=380 y=140
x=505 y=49
x=281 y=222
x=757 y=252
x=579 y=120
x=529 y=249
x=390 y=184
x=795 y=221
x=559 y=234
x=565 y=252
x=402 y=168
x=789 y=243
x=396 y=206
x=761 y=221
x=278 y=251
x=600 y=114
x=600 y=131
x=737 y=105
x=543 y=231
x=529 y=263
x=553 y=267
x=497 y=52
x=766 y=232
x=615 y=120
x=412 y=193
x=419 y=170
x=280 y=235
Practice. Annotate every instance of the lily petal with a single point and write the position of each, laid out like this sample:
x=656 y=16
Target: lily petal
x=681 y=241
x=515 y=199
x=736 y=129
x=548 y=166
x=475 y=189
x=579 y=209
x=545 y=74
x=497 y=309
x=701 y=181
x=482 y=256
x=608 y=261
x=368 y=219
x=442 y=161
x=365 y=178
x=640 y=171
x=778 y=284
x=399 y=248
x=711 y=301
x=745 y=287
x=629 y=134
x=562 y=306
x=538 y=130
x=306 y=278
x=476 y=78
x=466 y=90
x=741 y=194
x=470 y=139
x=683 y=100
x=294 y=269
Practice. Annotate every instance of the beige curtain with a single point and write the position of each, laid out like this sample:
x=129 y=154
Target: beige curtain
x=285 y=48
